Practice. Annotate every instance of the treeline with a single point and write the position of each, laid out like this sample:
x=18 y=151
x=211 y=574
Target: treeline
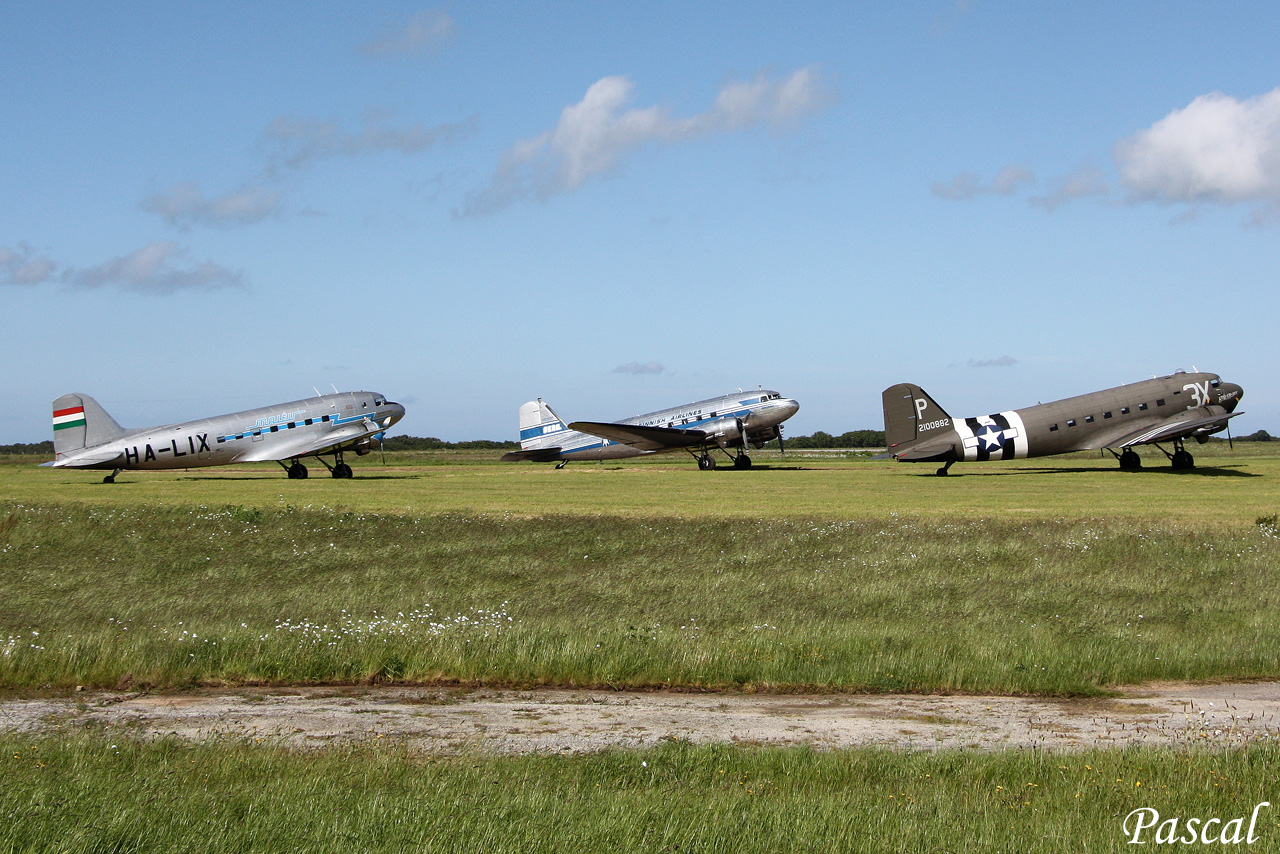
x=45 y=447
x=851 y=439
x=430 y=443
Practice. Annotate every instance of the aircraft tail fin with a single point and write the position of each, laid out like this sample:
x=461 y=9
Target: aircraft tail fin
x=540 y=427
x=911 y=416
x=79 y=422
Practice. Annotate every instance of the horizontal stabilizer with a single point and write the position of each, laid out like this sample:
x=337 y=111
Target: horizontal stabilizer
x=537 y=455
x=85 y=459
x=642 y=438
x=925 y=452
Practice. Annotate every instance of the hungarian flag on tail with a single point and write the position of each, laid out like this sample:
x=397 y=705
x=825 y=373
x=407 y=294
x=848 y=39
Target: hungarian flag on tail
x=70 y=417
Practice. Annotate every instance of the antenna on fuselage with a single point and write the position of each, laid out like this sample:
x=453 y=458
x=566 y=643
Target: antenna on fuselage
x=316 y=390
x=334 y=387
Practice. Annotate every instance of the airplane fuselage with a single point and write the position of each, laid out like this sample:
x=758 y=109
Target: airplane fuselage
x=332 y=421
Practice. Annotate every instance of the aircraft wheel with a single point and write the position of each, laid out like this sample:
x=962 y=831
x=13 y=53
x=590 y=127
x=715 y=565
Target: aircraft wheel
x=1183 y=460
x=942 y=472
x=109 y=479
x=706 y=462
x=742 y=461
x=1130 y=461
x=297 y=471
x=342 y=470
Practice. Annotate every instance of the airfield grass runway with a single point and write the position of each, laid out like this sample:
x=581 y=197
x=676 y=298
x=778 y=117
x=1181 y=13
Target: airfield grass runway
x=812 y=574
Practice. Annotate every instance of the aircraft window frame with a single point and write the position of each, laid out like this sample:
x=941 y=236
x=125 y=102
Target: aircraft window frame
x=1142 y=407
x=1215 y=383
x=1124 y=410
x=1160 y=402
x=1053 y=428
x=1106 y=415
x=1071 y=422
x=1088 y=419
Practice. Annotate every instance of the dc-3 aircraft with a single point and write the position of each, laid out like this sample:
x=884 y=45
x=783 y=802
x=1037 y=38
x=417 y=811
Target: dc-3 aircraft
x=1165 y=409
x=85 y=436
x=741 y=421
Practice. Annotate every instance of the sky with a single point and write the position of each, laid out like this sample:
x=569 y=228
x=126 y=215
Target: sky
x=619 y=207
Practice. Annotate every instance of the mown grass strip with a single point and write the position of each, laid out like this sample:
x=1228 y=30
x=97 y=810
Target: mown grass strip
x=107 y=792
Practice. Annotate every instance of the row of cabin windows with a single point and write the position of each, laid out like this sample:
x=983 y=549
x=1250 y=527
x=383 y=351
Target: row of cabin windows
x=1124 y=410
x=276 y=428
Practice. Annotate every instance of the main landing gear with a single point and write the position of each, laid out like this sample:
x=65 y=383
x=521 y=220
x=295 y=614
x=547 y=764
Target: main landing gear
x=707 y=462
x=297 y=471
x=1181 y=458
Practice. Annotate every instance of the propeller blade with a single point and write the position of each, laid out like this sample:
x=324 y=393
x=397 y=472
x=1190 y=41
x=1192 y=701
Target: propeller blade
x=781 y=448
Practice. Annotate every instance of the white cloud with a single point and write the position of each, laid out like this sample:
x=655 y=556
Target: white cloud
x=967 y=185
x=300 y=141
x=426 y=33
x=593 y=135
x=1216 y=149
x=22 y=267
x=185 y=206
x=157 y=268
x=638 y=368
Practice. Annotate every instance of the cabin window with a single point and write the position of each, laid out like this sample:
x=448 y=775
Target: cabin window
x=1213 y=383
x=1106 y=415
x=1142 y=407
x=1053 y=428
x=1124 y=411
x=1160 y=402
x=713 y=415
x=1071 y=422
x=1088 y=419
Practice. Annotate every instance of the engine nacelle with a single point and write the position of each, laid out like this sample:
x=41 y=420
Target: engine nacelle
x=723 y=431
x=759 y=437
x=364 y=446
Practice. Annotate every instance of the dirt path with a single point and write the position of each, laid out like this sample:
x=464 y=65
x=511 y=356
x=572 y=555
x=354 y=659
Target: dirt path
x=551 y=721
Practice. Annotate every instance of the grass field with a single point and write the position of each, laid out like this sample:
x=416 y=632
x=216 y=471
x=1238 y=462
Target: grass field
x=814 y=572
x=1060 y=578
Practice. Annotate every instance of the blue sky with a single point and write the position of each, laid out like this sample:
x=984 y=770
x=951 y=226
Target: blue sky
x=621 y=207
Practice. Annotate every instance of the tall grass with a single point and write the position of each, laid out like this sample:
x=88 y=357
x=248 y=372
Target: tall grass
x=174 y=596
x=107 y=792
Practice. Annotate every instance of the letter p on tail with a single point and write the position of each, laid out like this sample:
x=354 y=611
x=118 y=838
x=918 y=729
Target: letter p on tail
x=910 y=415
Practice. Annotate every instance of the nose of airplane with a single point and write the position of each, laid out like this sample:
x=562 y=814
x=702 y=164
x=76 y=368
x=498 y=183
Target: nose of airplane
x=788 y=406
x=1229 y=394
x=394 y=413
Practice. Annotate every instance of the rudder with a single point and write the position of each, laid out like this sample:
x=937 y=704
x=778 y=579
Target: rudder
x=539 y=425
x=79 y=422
x=910 y=415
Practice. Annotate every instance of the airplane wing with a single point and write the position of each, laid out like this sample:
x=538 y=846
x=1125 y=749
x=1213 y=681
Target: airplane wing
x=305 y=445
x=939 y=449
x=538 y=455
x=1179 y=426
x=642 y=438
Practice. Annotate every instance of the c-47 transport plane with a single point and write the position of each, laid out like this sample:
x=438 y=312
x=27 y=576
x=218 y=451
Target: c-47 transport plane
x=739 y=421
x=1166 y=409
x=85 y=436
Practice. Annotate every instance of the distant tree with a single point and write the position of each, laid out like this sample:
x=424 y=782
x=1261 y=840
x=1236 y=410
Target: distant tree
x=1260 y=436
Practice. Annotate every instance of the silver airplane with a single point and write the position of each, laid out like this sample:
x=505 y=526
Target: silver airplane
x=1151 y=412
x=85 y=436
x=740 y=421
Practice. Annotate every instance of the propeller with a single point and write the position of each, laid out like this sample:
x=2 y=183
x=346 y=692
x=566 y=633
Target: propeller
x=742 y=434
x=781 y=449
x=1230 y=444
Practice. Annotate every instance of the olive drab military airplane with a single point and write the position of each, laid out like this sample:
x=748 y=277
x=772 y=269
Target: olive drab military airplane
x=1162 y=410
x=736 y=421
x=85 y=436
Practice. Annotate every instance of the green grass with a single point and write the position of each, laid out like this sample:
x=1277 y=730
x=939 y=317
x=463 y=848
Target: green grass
x=107 y=792
x=171 y=596
x=1227 y=489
